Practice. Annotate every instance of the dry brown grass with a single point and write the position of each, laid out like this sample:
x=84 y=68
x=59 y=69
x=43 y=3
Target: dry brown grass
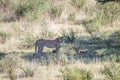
x=52 y=71
x=23 y=34
x=19 y=32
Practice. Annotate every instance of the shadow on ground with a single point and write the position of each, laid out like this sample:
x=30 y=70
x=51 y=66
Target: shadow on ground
x=2 y=55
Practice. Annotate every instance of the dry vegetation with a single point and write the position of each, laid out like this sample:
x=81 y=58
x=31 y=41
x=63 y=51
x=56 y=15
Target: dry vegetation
x=89 y=27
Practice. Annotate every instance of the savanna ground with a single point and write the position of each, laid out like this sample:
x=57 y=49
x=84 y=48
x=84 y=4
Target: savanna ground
x=91 y=30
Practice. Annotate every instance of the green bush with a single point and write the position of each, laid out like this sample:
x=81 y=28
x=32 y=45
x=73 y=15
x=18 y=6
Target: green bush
x=8 y=4
x=75 y=73
x=111 y=72
x=21 y=10
x=107 y=13
x=69 y=36
x=55 y=11
x=78 y=4
x=115 y=36
x=31 y=9
x=114 y=39
x=92 y=28
x=24 y=9
x=27 y=6
x=72 y=16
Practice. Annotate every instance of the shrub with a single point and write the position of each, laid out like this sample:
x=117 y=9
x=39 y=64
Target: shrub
x=115 y=36
x=78 y=4
x=25 y=7
x=92 y=28
x=21 y=10
x=72 y=16
x=28 y=70
x=111 y=72
x=8 y=4
x=69 y=36
x=75 y=73
x=114 y=39
x=31 y=9
x=108 y=13
x=9 y=65
x=55 y=11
